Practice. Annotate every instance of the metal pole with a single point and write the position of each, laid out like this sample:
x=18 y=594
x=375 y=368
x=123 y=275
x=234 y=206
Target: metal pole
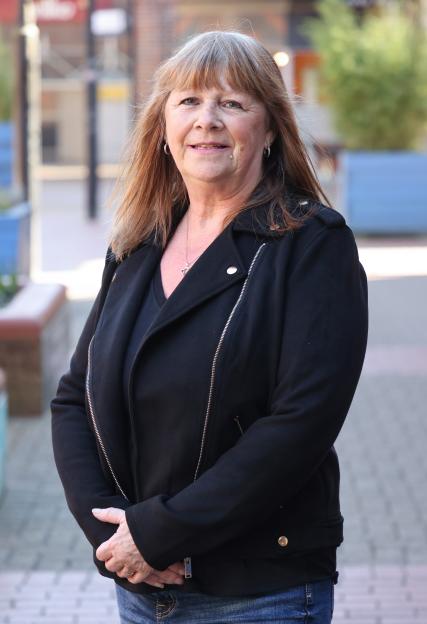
x=92 y=208
x=131 y=54
x=23 y=98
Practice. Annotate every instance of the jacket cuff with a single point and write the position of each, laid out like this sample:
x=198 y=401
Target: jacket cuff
x=152 y=537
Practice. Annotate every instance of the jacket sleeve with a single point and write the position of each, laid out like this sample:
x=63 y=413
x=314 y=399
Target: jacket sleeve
x=74 y=445
x=323 y=345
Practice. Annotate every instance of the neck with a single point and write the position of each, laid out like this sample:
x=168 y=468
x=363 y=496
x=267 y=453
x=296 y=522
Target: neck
x=209 y=205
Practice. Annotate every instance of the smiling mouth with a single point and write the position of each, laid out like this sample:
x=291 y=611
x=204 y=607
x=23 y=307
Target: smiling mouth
x=208 y=146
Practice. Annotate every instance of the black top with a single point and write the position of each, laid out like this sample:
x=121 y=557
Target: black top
x=153 y=300
x=261 y=576
x=151 y=304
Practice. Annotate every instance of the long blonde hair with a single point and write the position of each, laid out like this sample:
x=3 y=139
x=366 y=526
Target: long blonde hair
x=151 y=187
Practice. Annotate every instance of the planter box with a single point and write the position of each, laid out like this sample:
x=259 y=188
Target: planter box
x=34 y=346
x=3 y=428
x=6 y=154
x=15 y=240
x=384 y=192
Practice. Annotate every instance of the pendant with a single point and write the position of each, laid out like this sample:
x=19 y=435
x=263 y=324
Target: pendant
x=185 y=269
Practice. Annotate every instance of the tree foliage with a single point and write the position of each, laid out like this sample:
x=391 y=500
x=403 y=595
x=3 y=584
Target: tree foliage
x=6 y=85
x=373 y=74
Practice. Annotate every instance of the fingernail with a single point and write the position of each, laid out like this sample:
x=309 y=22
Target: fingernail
x=159 y=585
x=96 y=510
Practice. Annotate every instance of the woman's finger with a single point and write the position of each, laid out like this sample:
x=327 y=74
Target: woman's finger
x=113 y=565
x=103 y=552
x=109 y=514
x=125 y=572
x=152 y=580
x=177 y=567
x=169 y=577
x=138 y=577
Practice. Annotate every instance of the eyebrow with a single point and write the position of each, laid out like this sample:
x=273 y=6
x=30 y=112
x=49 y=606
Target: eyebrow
x=196 y=90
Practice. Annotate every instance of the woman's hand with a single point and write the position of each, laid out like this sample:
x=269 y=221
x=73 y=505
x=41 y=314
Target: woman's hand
x=122 y=556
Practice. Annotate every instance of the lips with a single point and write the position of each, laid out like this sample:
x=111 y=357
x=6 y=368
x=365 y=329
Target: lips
x=208 y=146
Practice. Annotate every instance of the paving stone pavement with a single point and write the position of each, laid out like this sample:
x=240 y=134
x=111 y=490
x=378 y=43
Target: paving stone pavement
x=46 y=572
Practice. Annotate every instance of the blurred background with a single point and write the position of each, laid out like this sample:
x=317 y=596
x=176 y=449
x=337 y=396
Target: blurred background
x=73 y=74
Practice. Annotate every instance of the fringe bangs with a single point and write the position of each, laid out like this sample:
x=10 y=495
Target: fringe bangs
x=206 y=62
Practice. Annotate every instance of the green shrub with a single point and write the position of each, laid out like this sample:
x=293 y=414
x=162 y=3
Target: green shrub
x=373 y=75
x=9 y=286
x=6 y=83
x=9 y=197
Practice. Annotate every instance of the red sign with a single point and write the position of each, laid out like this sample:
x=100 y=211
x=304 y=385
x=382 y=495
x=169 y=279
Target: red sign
x=51 y=11
x=8 y=11
x=60 y=10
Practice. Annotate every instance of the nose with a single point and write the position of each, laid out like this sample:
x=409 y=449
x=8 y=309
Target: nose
x=208 y=117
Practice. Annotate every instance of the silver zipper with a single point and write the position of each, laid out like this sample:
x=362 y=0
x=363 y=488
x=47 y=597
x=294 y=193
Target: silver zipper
x=187 y=560
x=95 y=426
x=187 y=568
x=215 y=358
x=236 y=418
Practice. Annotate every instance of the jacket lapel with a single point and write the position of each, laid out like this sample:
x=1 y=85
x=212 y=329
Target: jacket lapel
x=219 y=267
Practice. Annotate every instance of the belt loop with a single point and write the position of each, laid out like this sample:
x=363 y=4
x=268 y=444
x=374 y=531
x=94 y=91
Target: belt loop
x=308 y=594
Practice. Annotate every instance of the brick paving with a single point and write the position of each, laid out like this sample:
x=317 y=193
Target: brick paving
x=46 y=572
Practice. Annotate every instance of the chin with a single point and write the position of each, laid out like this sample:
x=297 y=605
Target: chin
x=211 y=176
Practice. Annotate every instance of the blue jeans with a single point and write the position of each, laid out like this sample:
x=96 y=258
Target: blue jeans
x=306 y=604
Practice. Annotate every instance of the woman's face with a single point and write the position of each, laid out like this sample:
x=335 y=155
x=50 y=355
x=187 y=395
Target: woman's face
x=217 y=136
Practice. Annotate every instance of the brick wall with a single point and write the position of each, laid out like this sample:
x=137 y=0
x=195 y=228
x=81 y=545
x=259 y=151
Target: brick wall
x=34 y=346
x=162 y=25
x=154 y=39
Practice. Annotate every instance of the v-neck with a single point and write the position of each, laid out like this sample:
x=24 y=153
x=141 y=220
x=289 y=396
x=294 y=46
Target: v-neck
x=158 y=289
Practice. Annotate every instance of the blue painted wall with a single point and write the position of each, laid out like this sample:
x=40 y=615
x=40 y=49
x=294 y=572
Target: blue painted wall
x=15 y=240
x=384 y=192
x=6 y=154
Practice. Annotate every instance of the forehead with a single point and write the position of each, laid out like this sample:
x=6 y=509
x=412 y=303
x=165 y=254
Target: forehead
x=206 y=75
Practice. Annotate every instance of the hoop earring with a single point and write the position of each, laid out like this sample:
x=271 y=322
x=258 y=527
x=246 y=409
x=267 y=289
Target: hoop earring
x=166 y=149
x=267 y=151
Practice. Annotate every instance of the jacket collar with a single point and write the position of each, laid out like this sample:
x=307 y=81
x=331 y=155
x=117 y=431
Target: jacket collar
x=256 y=220
x=264 y=220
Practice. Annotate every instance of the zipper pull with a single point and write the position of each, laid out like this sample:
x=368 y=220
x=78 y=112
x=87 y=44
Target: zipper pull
x=187 y=567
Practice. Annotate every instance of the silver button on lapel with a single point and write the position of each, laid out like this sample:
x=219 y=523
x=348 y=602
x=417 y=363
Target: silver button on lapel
x=231 y=270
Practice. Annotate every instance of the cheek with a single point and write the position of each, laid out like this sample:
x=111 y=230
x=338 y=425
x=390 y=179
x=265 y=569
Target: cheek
x=173 y=127
x=251 y=144
x=251 y=137
x=178 y=133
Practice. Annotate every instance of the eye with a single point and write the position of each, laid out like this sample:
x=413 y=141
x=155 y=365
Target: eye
x=189 y=100
x=232 y=104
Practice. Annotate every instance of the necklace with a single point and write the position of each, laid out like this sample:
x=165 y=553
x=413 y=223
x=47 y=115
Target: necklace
x=187 y=263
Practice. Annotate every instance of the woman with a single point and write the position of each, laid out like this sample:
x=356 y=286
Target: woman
x=194 y=430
